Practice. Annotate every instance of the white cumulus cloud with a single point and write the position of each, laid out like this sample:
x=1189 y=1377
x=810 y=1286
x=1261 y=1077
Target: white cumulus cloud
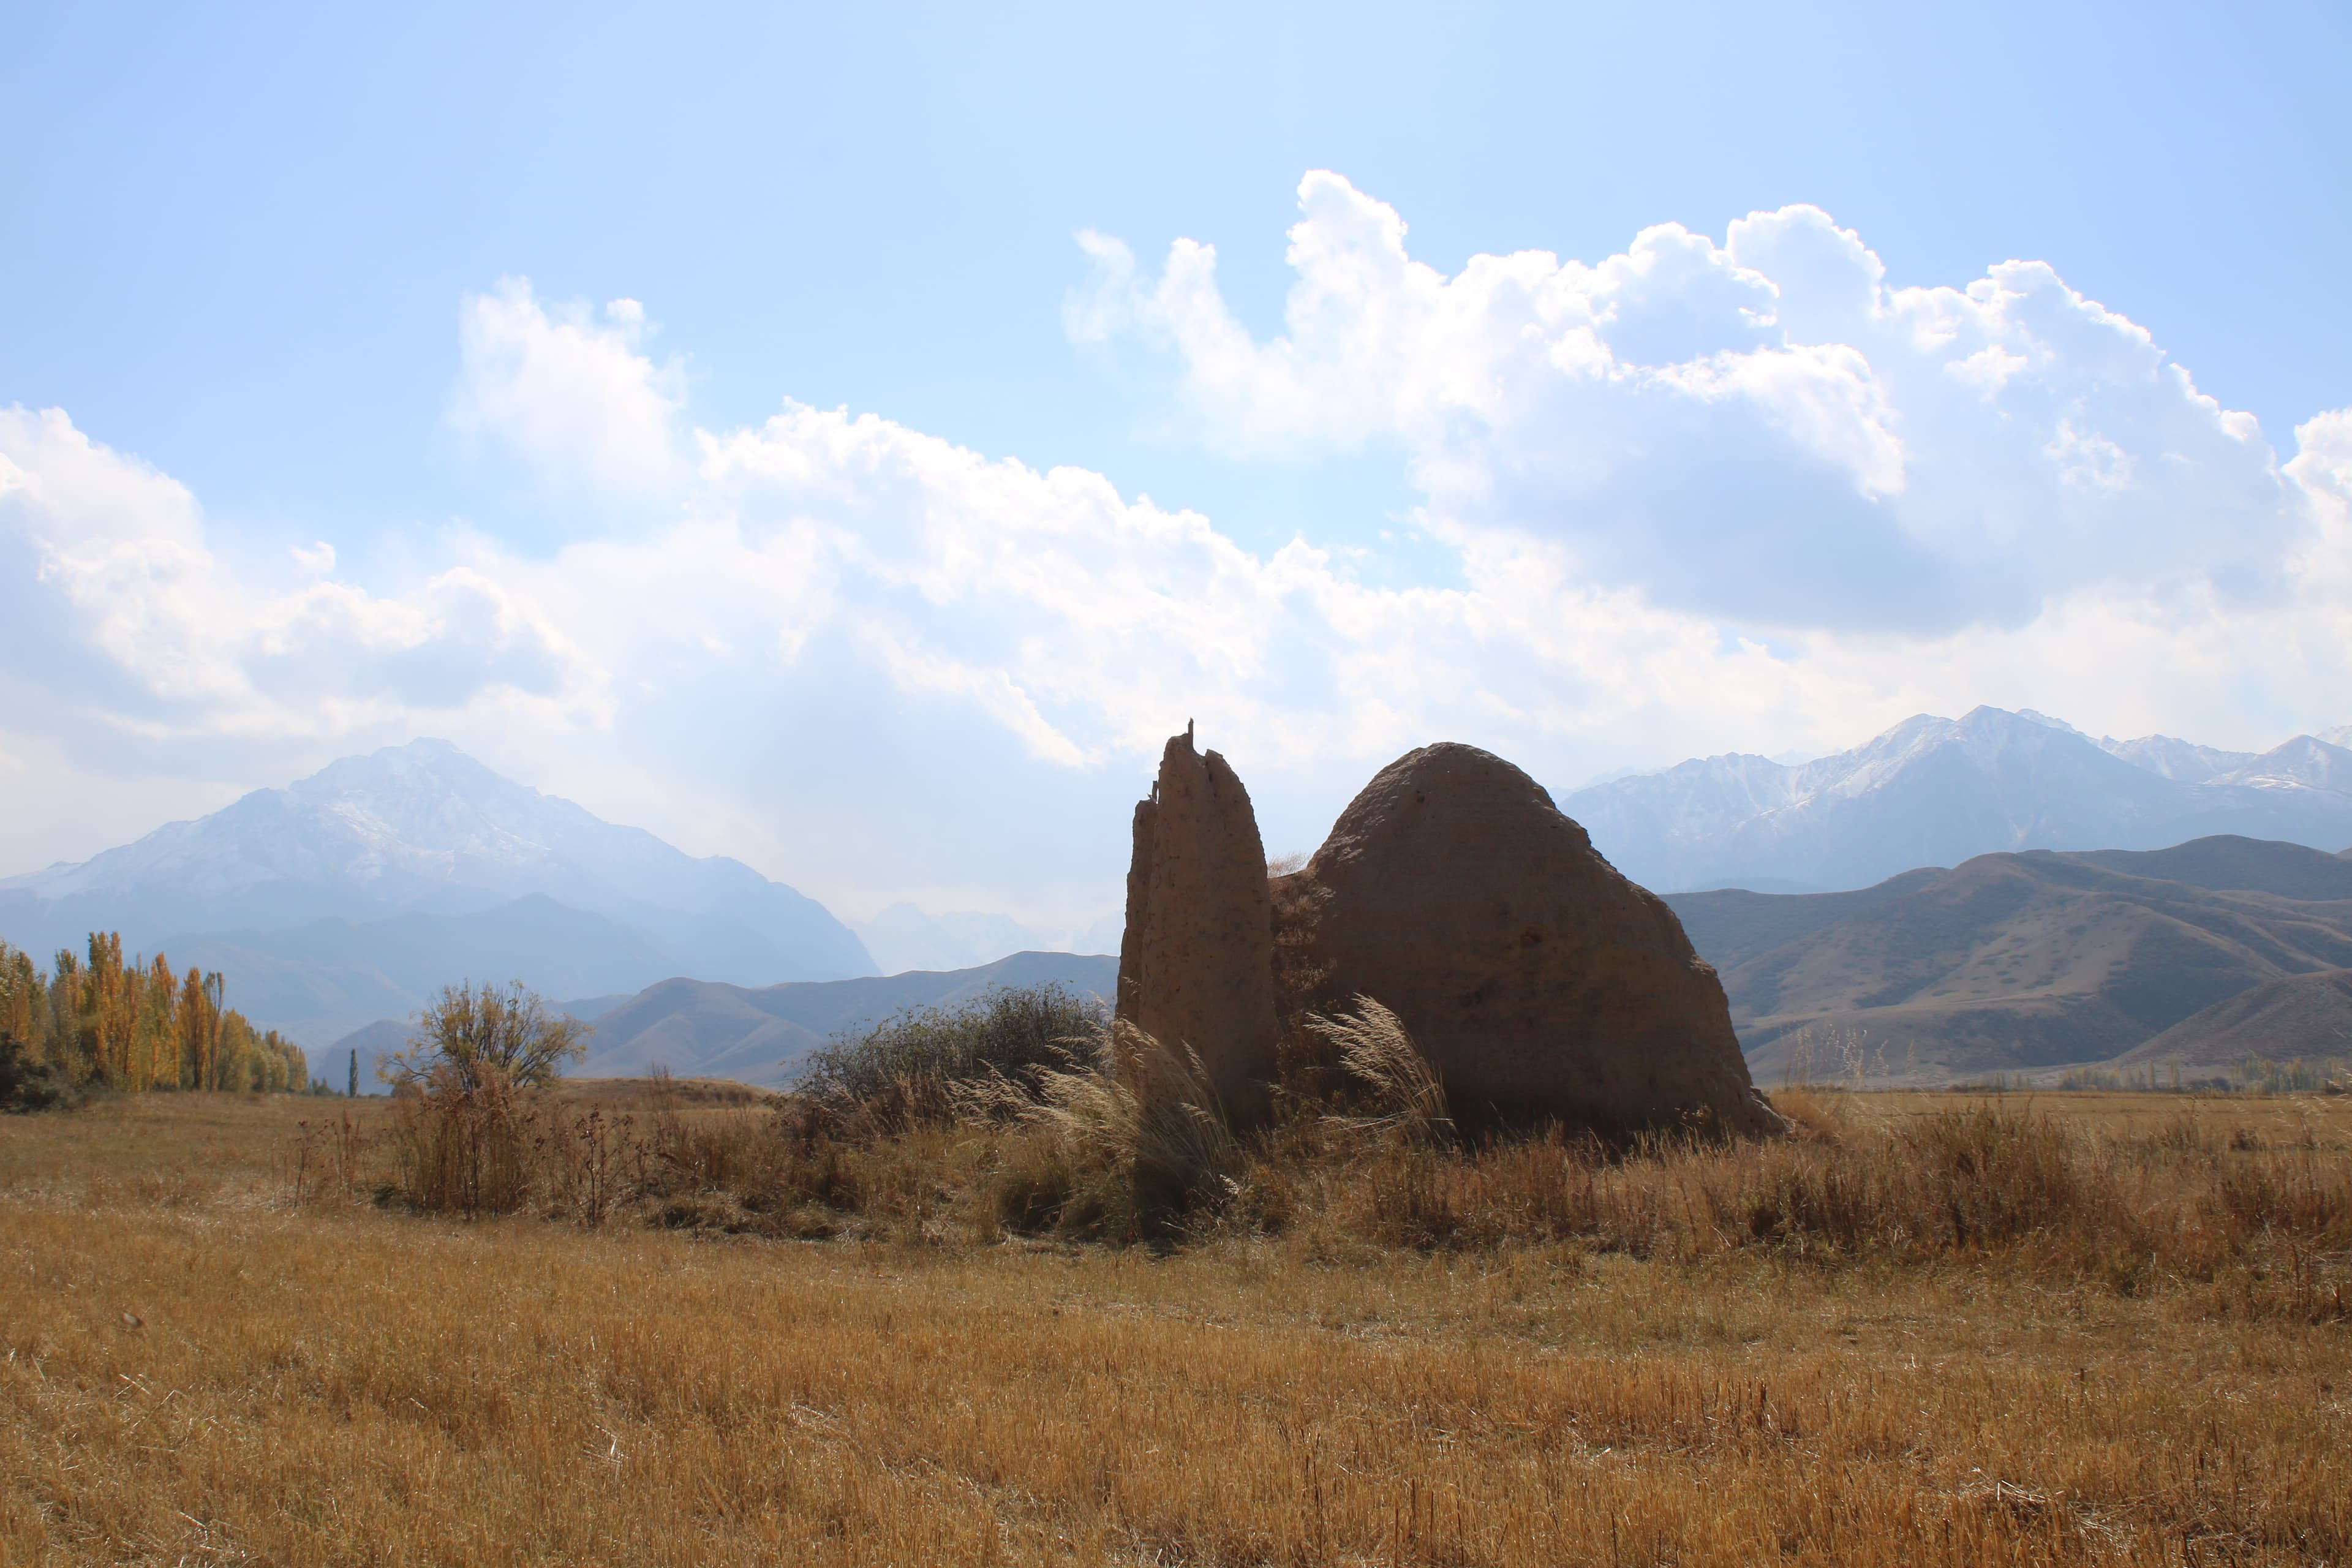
x=1760 y=429
x=571 y=393
x=1695 y=497
x=154 y=634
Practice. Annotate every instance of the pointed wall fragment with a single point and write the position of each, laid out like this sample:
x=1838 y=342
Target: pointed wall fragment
x=1196 y=964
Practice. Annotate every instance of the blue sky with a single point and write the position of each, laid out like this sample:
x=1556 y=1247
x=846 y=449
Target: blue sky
x=345 y=277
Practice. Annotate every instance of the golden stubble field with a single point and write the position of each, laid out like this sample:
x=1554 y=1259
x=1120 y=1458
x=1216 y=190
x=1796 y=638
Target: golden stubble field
x=197 y=1369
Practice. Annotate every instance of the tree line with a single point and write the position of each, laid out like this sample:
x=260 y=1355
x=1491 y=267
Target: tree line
x=135 y=1025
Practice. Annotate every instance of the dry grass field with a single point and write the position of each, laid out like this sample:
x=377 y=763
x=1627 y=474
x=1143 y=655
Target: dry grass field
x=199 y=1366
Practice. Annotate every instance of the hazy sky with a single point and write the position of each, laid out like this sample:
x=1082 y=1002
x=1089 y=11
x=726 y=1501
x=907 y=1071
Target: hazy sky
x=851 y=439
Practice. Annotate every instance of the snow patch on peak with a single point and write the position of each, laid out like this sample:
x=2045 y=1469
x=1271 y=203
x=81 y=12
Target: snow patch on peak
x=2183 y=761
x=2305 y=762
x=2047 y=722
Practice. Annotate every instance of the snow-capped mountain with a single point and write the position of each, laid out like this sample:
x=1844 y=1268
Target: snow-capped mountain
x=423 y=830
x=1934 y=791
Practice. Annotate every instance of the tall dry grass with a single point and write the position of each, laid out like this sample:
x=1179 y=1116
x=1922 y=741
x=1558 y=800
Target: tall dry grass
x=196 y=1366
x=1120 y=1145
x=1124 y=1143
x=2268 y=1228
x=1394 y=1086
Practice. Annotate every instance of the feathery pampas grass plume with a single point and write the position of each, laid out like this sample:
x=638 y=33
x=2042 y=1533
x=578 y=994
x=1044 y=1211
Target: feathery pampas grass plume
x=1120 y=1142
x=1148 y=1107
x=1399 y=1087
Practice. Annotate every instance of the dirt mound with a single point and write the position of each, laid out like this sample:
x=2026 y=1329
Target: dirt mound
x=1538 y=981
x=1196 y=964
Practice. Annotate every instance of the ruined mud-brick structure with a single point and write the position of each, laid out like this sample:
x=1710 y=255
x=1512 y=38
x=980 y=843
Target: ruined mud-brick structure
x=1540 y=983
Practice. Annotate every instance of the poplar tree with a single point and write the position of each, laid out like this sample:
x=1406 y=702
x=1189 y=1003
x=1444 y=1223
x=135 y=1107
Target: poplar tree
x=158 y=1030
x=111 y=1006
x=23 y=1003
x=199 y=1029
x=136 y=1026
x=65 y=1037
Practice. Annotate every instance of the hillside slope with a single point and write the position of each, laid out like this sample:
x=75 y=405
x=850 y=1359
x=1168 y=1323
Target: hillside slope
x=2015 y=962
x=2303 y=1018
x=1731 y=925
x=320 y=981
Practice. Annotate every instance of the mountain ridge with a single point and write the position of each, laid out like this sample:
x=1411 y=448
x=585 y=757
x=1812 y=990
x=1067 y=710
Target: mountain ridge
x=903 y=937
x=1938 y=791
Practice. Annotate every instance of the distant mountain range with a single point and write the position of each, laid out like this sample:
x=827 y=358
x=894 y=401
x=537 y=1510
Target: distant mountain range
x=2203 y=955
x=352 y=895
x=699 y=1029
x=357 y=891
x=1936 y=792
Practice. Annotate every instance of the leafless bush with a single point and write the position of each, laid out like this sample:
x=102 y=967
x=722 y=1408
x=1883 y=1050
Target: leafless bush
x=327 y=1157
x=463 y=1144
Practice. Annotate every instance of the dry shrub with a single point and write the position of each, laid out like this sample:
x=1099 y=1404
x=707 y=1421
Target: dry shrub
x=911 y=1069
x=327 y=1157
x=29 y=1082
x=593 y=1156
x=777 y=1170
x=473 y=1142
